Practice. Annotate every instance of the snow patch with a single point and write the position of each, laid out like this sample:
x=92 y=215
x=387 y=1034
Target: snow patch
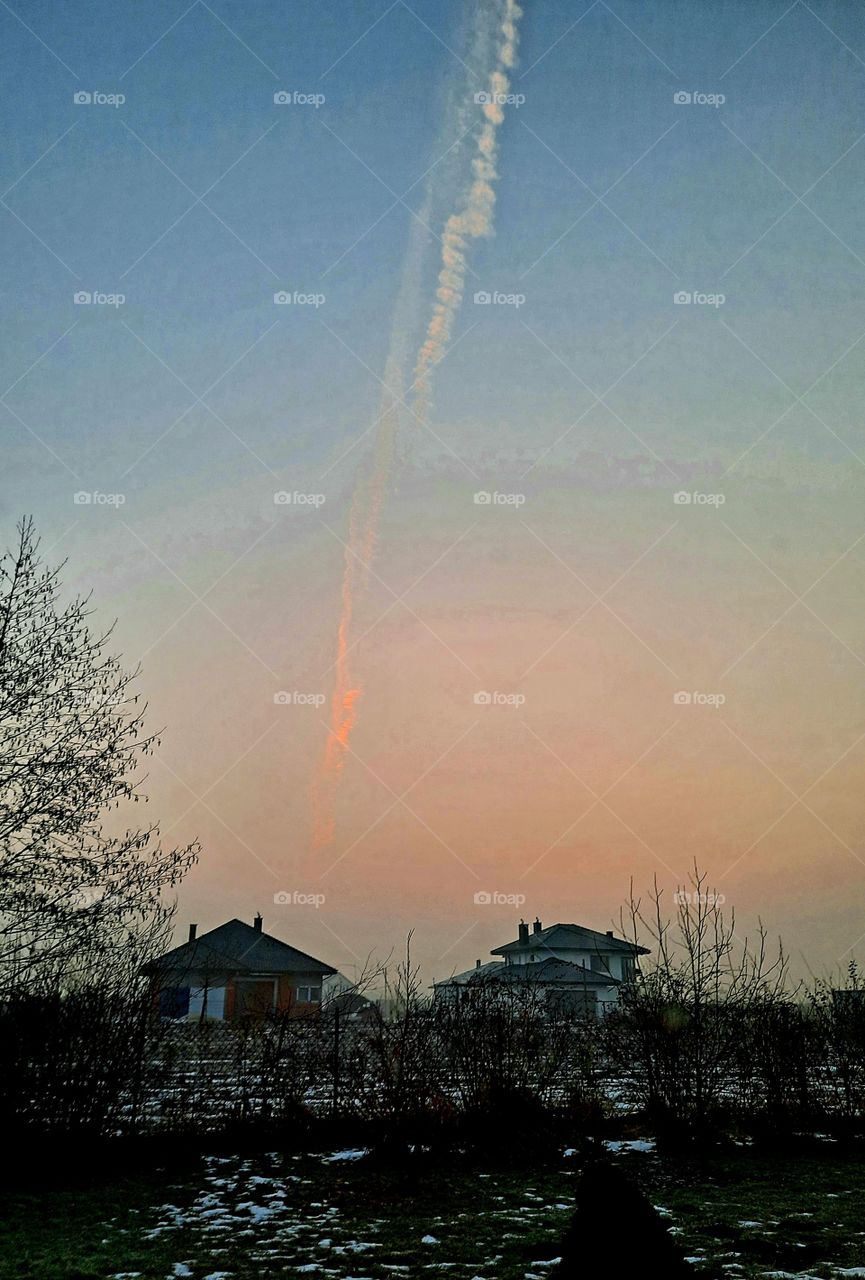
x=636 y=1144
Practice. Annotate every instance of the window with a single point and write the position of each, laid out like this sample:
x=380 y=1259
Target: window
x=309 y=995
x=576 y=1001
x=207 y=1002
x=174 y=1002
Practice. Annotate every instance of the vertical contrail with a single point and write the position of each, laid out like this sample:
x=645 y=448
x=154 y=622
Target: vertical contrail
x=496 y=45
x=475 y=219
x=364 y=516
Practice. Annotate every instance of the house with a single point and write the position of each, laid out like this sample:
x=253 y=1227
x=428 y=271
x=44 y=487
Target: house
x=236 y=971
x=578 y=970
x=340 y=995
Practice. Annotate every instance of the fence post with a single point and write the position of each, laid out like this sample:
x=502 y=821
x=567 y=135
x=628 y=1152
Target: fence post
x=336 y=1059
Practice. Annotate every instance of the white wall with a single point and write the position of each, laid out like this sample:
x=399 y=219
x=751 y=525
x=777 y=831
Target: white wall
x=612 y=961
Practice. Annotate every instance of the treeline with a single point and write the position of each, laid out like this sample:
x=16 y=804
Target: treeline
x=490 y=1065
x=711 y=1041
x=755 y=1064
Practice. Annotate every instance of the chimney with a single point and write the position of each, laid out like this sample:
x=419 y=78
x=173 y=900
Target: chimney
x=610 y=933
x=193 y=929
x=256 y=924
x=477 y=964
x=524 y=931
x=536 y=927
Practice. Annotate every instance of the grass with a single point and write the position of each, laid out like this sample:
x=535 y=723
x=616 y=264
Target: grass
x=744 y=1213
x=750 y=1212
x=339 y=1219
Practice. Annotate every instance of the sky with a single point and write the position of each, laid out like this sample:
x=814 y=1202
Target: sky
x=646 y=647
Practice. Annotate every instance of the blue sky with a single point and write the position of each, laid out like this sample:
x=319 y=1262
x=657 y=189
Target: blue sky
x=298 y=199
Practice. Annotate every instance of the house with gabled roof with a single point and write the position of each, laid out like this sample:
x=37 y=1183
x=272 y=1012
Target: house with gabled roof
x=579 y=970
x=236 y=971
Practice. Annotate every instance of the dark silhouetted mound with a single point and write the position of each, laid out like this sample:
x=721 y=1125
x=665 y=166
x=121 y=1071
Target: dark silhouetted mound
x=617 y=1234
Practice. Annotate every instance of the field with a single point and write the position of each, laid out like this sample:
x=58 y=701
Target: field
x=347 y=1216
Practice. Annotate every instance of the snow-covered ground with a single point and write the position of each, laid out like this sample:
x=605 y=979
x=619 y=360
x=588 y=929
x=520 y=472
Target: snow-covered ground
x=325 y=1216
x=279 y=1215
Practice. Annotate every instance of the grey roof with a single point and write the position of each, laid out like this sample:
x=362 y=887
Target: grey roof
x=556 y=936
x=548 y=972
x=478 y=974
x=236 y=947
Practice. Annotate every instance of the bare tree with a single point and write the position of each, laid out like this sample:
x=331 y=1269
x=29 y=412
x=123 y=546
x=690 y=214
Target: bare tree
x=71 y=740
x=504 y=1045
x=838 y=1013
x=400 y=1076
x=677 y=1040
x=76 y=1047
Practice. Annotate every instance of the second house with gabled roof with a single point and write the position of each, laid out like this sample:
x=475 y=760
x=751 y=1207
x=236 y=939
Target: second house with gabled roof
x=579 y=970
x=236 y=971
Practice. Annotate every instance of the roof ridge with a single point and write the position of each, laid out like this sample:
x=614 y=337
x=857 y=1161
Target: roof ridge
x=218 y=941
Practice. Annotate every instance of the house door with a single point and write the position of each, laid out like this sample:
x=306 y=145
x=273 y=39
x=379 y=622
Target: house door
x=254 y=997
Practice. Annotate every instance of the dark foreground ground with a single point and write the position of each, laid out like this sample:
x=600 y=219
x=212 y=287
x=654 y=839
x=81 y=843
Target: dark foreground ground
x=741 y=1213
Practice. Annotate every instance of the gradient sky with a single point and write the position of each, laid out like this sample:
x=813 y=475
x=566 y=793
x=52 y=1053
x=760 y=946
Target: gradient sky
x=597 y=399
